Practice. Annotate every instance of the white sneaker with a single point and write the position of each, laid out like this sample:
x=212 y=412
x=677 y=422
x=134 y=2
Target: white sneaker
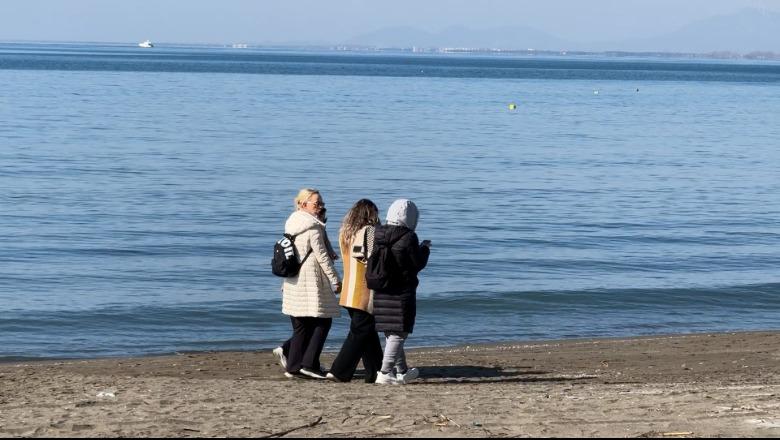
x=410 y=376
x=332 y=378
x=387 y=379
x=314 y=374
x=279 y=353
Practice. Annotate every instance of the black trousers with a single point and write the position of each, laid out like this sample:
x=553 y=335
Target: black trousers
x=303 y=350
x=362 y=343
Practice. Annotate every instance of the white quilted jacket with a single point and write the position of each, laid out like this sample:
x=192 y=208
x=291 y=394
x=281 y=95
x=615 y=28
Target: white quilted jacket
x=310 y=294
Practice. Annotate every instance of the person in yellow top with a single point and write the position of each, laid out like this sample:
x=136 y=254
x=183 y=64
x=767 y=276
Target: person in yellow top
x=362 y=342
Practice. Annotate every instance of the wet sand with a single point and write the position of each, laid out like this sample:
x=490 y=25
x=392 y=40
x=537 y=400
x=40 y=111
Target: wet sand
x=707 y=385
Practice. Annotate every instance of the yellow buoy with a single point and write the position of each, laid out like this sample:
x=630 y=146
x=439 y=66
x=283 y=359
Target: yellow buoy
x=513 y=106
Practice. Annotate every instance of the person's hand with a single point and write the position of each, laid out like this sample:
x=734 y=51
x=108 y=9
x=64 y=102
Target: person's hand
x=426 y=243
x=337 y=287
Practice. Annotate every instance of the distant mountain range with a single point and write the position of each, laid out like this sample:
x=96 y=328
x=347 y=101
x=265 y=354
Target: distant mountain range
x=745 y=31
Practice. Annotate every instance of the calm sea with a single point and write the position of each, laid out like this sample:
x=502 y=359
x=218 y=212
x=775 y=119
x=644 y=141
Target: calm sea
x=141 y=192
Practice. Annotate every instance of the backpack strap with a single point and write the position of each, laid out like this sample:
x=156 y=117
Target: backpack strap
x=292 y=240
x=307 y=256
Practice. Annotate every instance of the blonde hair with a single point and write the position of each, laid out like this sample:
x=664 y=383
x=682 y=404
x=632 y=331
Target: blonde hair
x=303 y=196
x=363 y=213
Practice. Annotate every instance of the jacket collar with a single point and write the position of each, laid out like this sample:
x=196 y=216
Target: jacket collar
x=301 y=221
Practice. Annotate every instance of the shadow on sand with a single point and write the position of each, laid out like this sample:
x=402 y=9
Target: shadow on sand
x=473 y=374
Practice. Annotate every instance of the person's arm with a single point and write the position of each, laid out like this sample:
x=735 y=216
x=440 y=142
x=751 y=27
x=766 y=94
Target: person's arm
x=320 y=252
x=329 y=246
x=418 y=254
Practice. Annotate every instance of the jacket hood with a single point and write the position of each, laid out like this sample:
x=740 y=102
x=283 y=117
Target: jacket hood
x=388 y=235
x=403 y=212
x=301 y=221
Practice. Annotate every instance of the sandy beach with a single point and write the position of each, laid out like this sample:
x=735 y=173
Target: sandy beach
x=706 y=385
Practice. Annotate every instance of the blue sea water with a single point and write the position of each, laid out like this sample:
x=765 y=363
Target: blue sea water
x=141 y=192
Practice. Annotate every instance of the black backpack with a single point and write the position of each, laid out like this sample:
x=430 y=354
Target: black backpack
x=381 y=267
x=285 y=262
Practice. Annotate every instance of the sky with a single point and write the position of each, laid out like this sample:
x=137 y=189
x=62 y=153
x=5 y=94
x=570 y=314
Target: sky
x=336 y=21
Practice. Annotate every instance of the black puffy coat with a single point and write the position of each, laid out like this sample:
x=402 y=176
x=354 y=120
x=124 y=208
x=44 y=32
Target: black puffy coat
x=395 y=308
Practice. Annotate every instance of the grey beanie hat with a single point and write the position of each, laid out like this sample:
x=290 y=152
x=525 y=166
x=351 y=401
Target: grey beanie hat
x=403 y=212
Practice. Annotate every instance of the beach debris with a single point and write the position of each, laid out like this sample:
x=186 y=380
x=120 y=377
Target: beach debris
x=442 y=421
x=288 y=431
x=656 y=434
x=106 y=395
x=372 y=418
x=476 y=424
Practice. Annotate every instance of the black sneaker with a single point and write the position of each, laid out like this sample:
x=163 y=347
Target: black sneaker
x=314 y=374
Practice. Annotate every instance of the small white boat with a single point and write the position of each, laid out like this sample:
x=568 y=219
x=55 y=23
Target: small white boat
x=146 y=43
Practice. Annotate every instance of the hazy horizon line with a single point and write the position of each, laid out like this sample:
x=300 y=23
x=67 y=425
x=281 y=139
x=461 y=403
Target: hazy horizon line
x=366 y=47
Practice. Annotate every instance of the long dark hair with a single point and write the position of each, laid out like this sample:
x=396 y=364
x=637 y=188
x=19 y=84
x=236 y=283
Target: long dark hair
x=363 y=213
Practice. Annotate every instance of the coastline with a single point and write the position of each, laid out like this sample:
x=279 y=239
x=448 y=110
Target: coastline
x=698 y=385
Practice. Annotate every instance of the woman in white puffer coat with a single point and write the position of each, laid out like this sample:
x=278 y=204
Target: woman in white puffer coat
x=309 y=298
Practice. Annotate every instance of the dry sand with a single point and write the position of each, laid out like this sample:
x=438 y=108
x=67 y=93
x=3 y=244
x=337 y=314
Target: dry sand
x=708 y=385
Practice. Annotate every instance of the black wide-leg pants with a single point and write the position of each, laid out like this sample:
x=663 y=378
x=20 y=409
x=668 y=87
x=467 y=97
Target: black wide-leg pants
x=362 y=343
x=303 y=350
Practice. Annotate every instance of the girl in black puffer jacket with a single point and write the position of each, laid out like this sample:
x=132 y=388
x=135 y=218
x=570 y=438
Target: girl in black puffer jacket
x=395 y=308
